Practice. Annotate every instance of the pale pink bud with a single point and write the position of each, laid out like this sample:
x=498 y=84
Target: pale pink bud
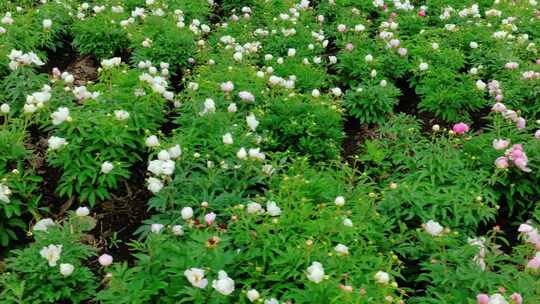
x=105 y=260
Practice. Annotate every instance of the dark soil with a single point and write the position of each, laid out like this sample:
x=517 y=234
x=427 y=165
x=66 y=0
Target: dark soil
x=84 y=69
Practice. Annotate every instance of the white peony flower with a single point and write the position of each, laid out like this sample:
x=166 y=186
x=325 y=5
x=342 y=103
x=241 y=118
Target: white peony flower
x=342 y=249
x=246 y=96
x=497 y=299
x=228 y=139
x=156 y=228
x=43 y=224
x=254 y=208
x=339 y=201
x=433 y=228
x=5 y=192
x=177 y=230
x=164 y=155
x=232 y=108
x=151 y=141
x=154 y=185
x=106 y=167
x=47 y=23
x=196 y=277
x=347 y=222
x=105 y=260
x=5 y=108
x=252 y=122
x=242 y=153
x=227 y=86
x=187 y=213
x=223 y=284
x=66 y=269
x=315 y=272
x=175 y=151
x=272 y=208
x=253 y=295
x=51 y=253
x=82 y=211
x=56 y=143
x=121 y=114
x=382 y=277
x=423 y=66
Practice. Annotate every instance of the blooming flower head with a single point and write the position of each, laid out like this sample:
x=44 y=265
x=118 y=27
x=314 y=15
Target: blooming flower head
x=82 y=211
x=43 y=224
x=227 y=86
x=500 y=144
x=196 y=277
x=501 y=162
x=151 y=141
x=534 y=263
x=460 y=128
x=433 y=228
x=156 y=227
x=210 y=218
x=517 y=298
x=60 y=115
x=342 y=249
x=315 y=272
x=253 y=295
x=5 y=192
x=482 y=298
x=272 y=208
x=177 y=230
x=154 y=185
x=51 y=253
x=66 y=269
x=56 y=143
x=252 y=122
x=339 y=201
x=246 y=96
x=106 y=167
x=224 y=285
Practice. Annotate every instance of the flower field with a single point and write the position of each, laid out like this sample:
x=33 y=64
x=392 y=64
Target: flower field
x=272 y=152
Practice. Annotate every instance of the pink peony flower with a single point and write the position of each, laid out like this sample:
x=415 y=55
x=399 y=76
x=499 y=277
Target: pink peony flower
x=501 y=162
x=422 y=13
x=534 y=264
x=521 y=123
x=517 y=298
x=498 y=107
x=499 y=144
x=482 y=298
x=537 y=134
x=210 y=218
x=460 y=128
x=521 y=163
x=246 y=96
x=349 y=47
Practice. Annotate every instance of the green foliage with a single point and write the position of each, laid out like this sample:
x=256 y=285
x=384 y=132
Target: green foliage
x=31 y=279
x=372 y=102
